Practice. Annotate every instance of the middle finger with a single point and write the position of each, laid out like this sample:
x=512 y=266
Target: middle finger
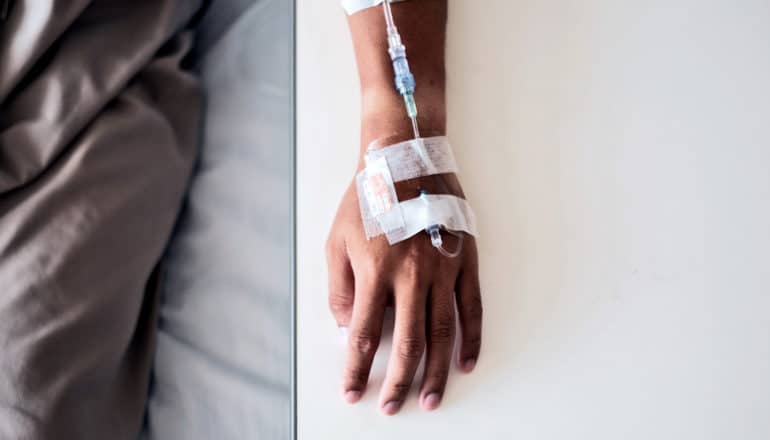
x=408 y=342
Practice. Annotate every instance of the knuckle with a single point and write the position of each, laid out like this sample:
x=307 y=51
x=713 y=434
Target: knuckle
x=475 y=308
x=357 y=376
x=401 y=388
x=340 y=302
x=369 y=267
x=412 y=262
x=363 y=343
x=410 y=349
x=442 y=331
x=439 y=375
x=410 y=268
x=474 y=343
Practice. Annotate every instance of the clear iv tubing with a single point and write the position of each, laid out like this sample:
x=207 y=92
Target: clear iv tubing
x=404 y=79
x=435 y=237
x=438 y=243
x=405 y=84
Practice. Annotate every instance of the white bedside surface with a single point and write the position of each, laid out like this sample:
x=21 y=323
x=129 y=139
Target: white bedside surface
x=618 y=158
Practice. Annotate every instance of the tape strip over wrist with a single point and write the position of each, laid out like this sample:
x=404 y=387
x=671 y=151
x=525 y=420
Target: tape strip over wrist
x=417 y=157
x=381 y=213
x=353 y=6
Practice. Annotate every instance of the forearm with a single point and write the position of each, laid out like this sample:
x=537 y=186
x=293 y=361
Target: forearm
x=422 y=25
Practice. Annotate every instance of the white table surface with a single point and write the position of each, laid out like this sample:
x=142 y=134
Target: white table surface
x=618 y=156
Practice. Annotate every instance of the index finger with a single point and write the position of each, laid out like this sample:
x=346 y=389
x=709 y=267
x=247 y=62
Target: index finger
x=364 y=336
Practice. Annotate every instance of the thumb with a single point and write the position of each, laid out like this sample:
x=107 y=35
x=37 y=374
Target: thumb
x=341 y=282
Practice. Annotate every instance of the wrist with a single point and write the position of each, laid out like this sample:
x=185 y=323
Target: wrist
x=384 y=121
x=384 y=118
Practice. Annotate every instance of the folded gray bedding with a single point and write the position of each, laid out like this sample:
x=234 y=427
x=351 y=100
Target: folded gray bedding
x=98 y=131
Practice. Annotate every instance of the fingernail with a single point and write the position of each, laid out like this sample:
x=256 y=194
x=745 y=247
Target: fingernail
x=352 y=396
x=431 y=401
x=469 y=364
x=391 y=407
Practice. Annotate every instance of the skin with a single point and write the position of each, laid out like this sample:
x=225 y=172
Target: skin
x=426 y=289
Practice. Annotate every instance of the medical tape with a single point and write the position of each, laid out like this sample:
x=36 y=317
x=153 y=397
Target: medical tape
x=353 y=6
x=377 y=199
x=381 y=212
x=448 y=211
x=416 y=158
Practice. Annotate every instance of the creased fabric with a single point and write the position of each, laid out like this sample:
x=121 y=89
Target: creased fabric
x=223 y=363
x=98 y=132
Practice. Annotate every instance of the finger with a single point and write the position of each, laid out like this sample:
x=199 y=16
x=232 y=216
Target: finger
x=440 y=341
x=341 y=285
x=469 y=307
x=408 y=344
x=365 y=331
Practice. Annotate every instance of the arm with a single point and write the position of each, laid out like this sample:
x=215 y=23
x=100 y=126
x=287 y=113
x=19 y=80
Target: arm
x=422 y=26
x=364 y=276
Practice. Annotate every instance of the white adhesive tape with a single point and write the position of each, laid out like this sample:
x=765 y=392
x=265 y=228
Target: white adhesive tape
x=448 y=211
x=380 y=196
x=381 y=212
x=416 y=158
x=353 y=6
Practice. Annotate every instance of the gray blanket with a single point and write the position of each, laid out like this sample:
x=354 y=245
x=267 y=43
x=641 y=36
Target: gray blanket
x=98 y=127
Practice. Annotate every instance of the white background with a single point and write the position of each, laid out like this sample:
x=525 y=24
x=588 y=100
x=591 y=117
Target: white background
x=618 y=156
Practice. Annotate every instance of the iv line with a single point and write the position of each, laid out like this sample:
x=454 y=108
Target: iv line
x=405 y=84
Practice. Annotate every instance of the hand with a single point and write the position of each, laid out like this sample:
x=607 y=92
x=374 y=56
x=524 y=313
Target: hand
x=366 y=275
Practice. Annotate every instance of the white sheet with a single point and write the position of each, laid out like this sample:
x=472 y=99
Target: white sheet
x=223 y=359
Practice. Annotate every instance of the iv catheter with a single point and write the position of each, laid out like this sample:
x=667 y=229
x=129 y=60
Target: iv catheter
x=435 y=237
